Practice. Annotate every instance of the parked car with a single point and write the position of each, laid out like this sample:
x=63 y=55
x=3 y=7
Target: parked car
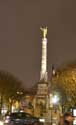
x=21 y=118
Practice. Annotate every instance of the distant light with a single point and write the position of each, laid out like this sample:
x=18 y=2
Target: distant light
x=42 y=120
x=54 y=72
x=55 y=99
x=19 y=93
x=1 y=123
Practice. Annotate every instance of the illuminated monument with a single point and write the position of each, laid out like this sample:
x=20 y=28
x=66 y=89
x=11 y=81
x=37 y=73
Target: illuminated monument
x=43 y=74
x=42 y=86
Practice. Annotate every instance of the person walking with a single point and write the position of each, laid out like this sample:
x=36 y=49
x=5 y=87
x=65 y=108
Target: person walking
x=66 y=119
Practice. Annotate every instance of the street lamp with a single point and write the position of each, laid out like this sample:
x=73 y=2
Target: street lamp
x=54 y=100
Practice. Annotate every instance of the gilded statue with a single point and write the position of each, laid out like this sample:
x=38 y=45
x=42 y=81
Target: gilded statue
x=44 y=31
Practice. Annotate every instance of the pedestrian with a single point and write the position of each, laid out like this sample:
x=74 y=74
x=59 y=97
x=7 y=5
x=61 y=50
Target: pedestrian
x=66 y=119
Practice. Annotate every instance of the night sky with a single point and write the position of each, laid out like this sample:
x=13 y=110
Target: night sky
x=20 y=36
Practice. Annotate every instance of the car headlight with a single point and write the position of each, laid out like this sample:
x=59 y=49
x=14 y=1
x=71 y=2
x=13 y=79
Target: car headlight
x=42 y=120
x=1 y=123
x=6 y=121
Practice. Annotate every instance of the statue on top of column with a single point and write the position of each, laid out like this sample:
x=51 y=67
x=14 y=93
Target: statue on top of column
x=44 y=30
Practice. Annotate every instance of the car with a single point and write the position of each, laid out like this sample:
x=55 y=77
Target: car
x=21 y=118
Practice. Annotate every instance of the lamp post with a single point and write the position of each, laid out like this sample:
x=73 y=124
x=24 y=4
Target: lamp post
x=19 y=97
x=54 y=99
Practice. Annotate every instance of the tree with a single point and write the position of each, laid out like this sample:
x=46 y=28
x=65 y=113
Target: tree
x=65 y=82
x=9 y=86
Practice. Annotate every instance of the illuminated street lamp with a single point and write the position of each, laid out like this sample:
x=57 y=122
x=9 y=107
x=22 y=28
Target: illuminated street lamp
x=55 y=99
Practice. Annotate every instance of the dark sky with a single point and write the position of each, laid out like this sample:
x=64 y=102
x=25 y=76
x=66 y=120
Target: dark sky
x=20 y=37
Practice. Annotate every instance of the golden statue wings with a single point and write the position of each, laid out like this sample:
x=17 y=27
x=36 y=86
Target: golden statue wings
x=44 y=30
